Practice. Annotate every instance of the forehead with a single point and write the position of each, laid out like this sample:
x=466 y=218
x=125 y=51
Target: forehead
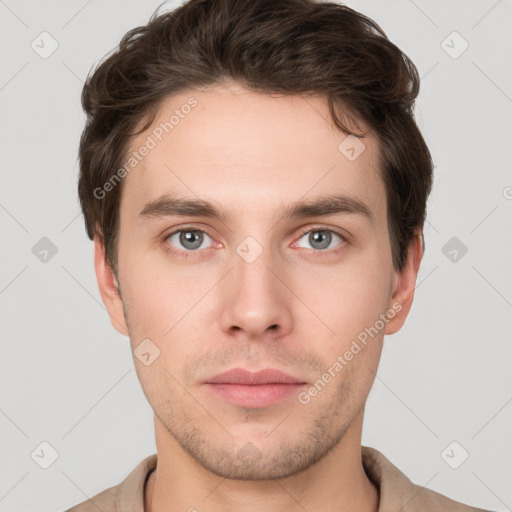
x=238 y=147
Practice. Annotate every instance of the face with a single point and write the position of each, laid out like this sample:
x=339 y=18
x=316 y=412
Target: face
x=246 y=281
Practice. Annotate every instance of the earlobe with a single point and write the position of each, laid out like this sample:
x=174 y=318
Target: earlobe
x=404 y=286
x=108 y=286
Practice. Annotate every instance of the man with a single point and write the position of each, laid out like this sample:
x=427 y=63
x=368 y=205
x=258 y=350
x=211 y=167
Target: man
x=255 y=186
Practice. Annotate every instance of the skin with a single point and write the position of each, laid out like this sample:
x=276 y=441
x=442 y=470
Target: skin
x=253 y=154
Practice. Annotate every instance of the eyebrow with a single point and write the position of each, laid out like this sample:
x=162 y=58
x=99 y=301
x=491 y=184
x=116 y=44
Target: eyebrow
x=171 y=205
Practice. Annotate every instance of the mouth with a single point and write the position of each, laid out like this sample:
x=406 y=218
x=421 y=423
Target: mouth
x=254 y=389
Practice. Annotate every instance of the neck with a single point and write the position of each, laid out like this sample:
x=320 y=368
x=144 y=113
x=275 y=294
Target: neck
x=337 y=482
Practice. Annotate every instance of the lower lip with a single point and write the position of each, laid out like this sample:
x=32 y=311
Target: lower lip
x=256 y=395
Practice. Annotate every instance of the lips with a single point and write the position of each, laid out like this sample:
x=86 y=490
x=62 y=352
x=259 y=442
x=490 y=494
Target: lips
x=254 y=389
x=245 y=377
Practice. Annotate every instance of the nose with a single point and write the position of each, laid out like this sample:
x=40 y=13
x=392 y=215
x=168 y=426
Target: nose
x=255 y=301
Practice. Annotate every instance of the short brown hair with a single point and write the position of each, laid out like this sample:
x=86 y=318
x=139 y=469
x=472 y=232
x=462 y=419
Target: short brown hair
x=289 y=47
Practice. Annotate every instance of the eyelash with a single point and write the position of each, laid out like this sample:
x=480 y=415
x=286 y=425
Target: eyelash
x=187 y=254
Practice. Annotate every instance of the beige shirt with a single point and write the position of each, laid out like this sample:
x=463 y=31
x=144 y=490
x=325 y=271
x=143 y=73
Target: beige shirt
x=397 y=492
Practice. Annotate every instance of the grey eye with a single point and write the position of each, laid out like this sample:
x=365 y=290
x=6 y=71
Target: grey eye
x=320 y=238
x=190 y=239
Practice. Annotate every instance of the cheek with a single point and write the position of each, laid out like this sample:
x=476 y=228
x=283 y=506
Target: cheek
x=167 y=308
x=348 y=298
x=157 y=293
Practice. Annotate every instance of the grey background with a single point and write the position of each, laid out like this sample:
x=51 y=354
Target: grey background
x=67 y=378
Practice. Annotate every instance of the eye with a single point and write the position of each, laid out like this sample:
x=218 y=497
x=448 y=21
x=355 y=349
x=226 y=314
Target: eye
x=190 y=239
x=321 y=239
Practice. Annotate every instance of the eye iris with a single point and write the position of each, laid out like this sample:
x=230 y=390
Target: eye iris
x=321 y=237
x=187 y=239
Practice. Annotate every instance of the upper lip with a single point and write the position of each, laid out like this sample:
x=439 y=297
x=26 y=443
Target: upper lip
x=243 y=376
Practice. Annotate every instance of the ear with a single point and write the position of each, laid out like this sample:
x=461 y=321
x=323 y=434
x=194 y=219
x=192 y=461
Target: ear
x=404 y=285
x=108 y=288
